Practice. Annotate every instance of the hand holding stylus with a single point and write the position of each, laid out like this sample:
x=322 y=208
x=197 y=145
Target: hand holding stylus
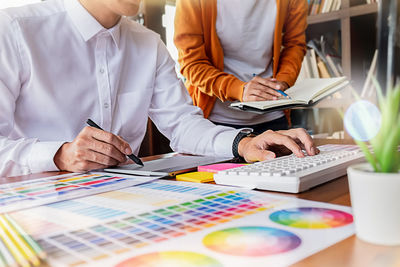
x=261 y=89
x=131 y=156
x=92 y=149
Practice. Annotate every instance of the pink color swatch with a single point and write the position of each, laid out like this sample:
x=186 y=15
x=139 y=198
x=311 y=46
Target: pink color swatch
x=214 y=168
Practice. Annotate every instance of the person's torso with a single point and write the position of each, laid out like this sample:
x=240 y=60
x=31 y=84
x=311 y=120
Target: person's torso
x=246 y=33
x=108 y=78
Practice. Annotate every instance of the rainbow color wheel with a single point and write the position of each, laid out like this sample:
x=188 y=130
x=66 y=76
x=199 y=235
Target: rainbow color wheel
x=251 y=241
x=169 y=259
x=312 y=218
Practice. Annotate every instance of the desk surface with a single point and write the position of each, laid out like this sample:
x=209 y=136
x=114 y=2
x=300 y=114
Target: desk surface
x=349 y=252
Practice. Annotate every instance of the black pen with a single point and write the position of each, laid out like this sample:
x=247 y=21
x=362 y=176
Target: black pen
x=131 y=156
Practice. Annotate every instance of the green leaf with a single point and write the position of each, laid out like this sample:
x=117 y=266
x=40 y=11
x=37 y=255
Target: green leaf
x=368 y=155
x=385 y=145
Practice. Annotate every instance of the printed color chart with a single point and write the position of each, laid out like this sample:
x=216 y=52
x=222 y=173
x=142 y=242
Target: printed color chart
x=21 y=195
x=170 y=223
x=312 y=218
x=171 y=258
x=251 y=241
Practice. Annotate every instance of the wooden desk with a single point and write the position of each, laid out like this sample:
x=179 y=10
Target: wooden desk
x=349 y=252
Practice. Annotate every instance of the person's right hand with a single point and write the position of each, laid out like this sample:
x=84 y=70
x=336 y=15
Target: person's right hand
x=271 y=144
x=92 y=149
x=261 y=89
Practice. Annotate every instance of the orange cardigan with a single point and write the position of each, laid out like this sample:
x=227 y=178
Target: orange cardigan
x=201 y=56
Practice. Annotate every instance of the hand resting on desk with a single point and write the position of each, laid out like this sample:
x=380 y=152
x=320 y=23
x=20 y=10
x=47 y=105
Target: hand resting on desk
x=270 y=144
x=92 y=149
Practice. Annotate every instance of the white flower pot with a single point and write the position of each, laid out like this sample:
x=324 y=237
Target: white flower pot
x=375 y=199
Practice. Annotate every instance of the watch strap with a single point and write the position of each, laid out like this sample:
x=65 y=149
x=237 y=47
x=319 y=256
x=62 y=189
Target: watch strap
x=235 y=146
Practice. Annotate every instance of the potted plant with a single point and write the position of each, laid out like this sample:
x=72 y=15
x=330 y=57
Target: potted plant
x=375 y=185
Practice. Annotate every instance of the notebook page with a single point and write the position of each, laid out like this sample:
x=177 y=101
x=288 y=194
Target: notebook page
x=307 y=89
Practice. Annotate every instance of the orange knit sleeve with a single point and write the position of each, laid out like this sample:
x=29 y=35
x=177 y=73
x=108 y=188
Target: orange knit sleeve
x=294 y=42
x=197 y=58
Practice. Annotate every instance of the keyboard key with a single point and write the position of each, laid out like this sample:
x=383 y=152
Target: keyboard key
x=266 y=174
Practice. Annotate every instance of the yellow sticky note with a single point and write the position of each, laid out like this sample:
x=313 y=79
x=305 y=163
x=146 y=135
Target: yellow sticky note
x=196 y=177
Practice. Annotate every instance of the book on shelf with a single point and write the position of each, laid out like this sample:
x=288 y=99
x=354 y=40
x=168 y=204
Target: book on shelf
x=310 y=5
x=333 y=66
x=319 y=48
x=323 y=71
x=309 y=66
x=324 y=6
x=338 y=5
x=304 y=93
x=313 y=61
x=323 y=3
x=315 y=6
x=302 y=74
x=317 y=63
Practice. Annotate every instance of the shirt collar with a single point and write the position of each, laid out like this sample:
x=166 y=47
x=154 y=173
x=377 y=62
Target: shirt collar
x=86 y=24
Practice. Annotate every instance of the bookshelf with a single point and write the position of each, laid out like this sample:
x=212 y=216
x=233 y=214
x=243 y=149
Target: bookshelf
x=344 y=15
x=354 y=27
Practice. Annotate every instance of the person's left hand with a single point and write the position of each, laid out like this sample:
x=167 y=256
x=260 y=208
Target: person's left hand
x=271 y=144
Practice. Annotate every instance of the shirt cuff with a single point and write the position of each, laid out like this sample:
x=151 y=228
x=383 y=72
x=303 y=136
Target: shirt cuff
x=223 y=143
x=41 y=157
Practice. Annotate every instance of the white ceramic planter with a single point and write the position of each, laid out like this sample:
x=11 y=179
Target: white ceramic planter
x=375 y=199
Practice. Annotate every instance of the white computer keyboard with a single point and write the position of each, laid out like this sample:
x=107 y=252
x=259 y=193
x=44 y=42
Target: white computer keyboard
x=292 y=174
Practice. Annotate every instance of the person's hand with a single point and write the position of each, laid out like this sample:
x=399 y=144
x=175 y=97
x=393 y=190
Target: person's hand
x=270 y=144
x=261 y=89
x=92 y=149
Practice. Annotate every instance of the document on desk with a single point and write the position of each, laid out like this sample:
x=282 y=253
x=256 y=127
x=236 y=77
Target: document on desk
x=27 y=194
x=171 y=223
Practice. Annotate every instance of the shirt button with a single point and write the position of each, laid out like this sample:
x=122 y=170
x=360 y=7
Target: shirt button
x=106 y=105
x=101 y=70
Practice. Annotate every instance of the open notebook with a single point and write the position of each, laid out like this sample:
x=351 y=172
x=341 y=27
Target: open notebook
x=304 y=93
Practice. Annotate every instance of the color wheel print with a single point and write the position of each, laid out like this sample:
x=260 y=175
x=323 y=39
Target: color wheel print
x=170 y=259
x=252 y=241
x=312 y=218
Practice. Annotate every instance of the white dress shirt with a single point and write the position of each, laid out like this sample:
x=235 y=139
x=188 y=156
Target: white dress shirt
x=246 y=33
x=59 y=67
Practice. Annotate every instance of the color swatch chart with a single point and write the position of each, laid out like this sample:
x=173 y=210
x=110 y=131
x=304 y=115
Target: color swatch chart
x=170 y=223
x=26 y=194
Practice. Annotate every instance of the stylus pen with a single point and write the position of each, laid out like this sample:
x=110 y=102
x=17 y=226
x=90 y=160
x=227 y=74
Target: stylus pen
x=283 y=93
x=131 y=156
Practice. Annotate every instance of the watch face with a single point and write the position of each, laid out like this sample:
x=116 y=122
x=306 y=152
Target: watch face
x=246 y=131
